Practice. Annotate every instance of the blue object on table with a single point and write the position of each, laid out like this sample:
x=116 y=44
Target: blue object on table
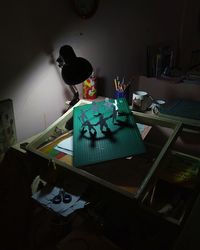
x=122 y=94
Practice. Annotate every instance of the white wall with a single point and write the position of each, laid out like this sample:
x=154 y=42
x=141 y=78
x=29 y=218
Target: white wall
x=114 y=40
x=29 y=76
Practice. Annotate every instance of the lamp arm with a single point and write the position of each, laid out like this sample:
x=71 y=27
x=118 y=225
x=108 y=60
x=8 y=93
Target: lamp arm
x=75 y=99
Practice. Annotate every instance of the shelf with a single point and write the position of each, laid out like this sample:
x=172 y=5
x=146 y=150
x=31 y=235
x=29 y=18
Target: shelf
x=175 y=187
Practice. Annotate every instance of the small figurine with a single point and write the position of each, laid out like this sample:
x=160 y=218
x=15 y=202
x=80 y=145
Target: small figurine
x=90 y=127
x=83 y=116
x=102 y=122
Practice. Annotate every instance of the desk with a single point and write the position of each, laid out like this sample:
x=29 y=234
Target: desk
x=114 y=183
x=102 y=181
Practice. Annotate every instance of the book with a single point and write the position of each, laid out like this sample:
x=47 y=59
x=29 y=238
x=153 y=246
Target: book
x=104 y=131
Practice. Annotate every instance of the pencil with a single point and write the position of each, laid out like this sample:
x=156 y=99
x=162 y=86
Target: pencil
x=115 y=81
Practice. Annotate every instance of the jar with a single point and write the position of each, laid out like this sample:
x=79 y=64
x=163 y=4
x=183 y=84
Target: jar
x=89 y=88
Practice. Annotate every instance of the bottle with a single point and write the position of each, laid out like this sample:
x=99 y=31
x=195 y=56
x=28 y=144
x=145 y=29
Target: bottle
x=89 y=87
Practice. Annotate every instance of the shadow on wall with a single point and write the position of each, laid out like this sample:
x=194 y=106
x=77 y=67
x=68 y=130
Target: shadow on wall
x=28 y=28
x=101 y=82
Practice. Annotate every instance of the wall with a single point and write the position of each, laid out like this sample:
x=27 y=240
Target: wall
x=116 y=37
x=168 y=90
x=29 y=76
x=114 y=40
x=189 y=32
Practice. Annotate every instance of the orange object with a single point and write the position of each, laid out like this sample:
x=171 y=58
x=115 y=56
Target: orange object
x=89 y=88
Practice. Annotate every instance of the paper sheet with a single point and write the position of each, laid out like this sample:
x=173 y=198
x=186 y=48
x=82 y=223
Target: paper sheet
x=66 y=146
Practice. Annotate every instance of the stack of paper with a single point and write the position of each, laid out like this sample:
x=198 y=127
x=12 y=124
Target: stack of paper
x=66 y=146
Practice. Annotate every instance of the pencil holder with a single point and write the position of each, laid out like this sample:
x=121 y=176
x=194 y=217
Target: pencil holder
x=121 y=94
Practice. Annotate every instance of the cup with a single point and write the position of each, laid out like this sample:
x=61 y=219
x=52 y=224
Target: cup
x=156 y=105
x=141 y=101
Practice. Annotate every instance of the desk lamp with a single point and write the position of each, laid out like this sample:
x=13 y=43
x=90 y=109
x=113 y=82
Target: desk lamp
x=74 y=70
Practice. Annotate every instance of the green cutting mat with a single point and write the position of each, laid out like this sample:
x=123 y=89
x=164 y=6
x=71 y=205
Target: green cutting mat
x=118 y=138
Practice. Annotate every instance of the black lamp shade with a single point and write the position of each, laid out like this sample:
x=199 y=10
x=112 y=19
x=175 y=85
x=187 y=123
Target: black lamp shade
x=76 y=72
x=74 y=69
